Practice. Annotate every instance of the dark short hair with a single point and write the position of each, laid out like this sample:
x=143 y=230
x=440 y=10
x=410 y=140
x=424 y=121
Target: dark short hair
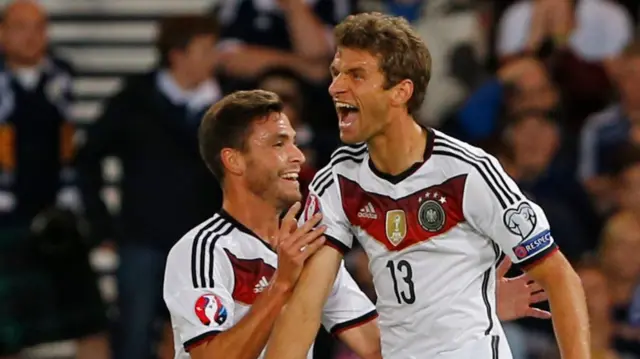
x=401 y=52
x=228 y=123
x=177 y=32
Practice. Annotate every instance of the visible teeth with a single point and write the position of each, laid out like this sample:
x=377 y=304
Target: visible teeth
x=346 y=106
x=291 y=176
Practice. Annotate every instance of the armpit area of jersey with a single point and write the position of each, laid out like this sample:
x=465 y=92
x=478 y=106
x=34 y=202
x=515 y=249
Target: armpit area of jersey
x=336 y=244
x=200 y=339
x=354 y=323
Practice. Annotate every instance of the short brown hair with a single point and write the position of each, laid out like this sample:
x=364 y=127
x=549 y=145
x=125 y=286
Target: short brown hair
x=227 y=124
x=177 y=32
x=401 y=53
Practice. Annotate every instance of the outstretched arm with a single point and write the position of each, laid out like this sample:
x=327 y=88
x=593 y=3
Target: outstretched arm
x=302 y=315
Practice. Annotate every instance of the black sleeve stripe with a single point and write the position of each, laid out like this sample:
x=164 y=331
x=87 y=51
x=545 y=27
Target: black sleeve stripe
x=352 y=149
x=486 y=162
x=206 y=236
x=203 y=250
x=531 y=262
x=191 y=343
x=339 y=246
x=356 y=322
x=358 y=159
x=485 y=299
x=321 y=191
x=195 y=246
x=440 y=152
x=321 y=177
x=353 y=153
x=488 y=165
x=326 y=173
x=212 y=245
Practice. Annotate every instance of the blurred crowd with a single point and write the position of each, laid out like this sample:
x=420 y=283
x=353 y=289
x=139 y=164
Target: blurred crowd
x=550 y=87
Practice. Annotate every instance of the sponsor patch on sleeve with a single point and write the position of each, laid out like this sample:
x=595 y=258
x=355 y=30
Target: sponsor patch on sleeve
x=210 y=311
x=533 y=246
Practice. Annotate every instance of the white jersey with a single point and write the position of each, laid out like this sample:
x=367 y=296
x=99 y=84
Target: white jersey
x=218 y=269
x=432 y=235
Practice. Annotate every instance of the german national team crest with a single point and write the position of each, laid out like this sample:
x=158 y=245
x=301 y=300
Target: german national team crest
x=396 y=226
x=209 y=309
x=431 y=215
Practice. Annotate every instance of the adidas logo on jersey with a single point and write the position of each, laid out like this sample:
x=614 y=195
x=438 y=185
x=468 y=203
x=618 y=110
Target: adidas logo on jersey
x=367 y=212
x=262 y=284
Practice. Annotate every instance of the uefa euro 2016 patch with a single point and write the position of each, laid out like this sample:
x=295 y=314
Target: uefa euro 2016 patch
x=209 y=310
x=532 y=246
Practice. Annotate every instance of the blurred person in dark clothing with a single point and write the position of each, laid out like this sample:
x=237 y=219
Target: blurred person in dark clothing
x=258 y=35
x=534 y=158
x=262 y=34
x=316 y=145
x=521 y=85
x=606 y=130
x=48 y=290
x=151 y=126
x=599 y=306
x=620 y=261
x=577 y=39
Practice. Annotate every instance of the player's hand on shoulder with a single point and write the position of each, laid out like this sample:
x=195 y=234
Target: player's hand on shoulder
x=295 y=246
x=514 y=296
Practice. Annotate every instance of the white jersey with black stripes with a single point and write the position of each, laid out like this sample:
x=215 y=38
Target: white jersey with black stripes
x=433 y=235
x=215 y=273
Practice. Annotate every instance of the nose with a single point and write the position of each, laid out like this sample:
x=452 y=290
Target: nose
x=337 y=86
x=296 y=155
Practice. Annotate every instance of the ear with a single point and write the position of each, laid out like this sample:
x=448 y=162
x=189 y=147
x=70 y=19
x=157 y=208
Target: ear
x=401 y=93
x=233 y=161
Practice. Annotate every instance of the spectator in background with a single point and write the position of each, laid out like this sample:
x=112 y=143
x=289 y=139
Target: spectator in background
x=297 y=34
x=533 y=157
x=578 y=38
x=593 y=30
x=316 y=145
x=599 y=306
x=258 y=35
x=151 y=126
x=48 y=291
x=605 y=131
x=457 y=44
x=519 y=86
x=620 y=261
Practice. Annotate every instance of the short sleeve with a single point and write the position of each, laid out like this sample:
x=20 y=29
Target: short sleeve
x=495 y=206
x=200 y=306
x=324 y=197
x=347 y=306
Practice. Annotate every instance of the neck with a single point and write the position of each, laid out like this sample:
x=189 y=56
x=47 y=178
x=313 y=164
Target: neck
x=399 y=146
x=253 y=212
x=183 y=80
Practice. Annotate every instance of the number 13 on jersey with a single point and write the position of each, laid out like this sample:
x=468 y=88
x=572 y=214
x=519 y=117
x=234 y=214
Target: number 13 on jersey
x=401 y=270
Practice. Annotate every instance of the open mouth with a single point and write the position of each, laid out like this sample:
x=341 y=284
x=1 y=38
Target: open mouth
x=347 y=114
x=292 y=176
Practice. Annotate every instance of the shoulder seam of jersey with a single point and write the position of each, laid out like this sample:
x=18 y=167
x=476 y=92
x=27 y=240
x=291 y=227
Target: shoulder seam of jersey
x=324 y=179
x=483 y=165
x=203 y=245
